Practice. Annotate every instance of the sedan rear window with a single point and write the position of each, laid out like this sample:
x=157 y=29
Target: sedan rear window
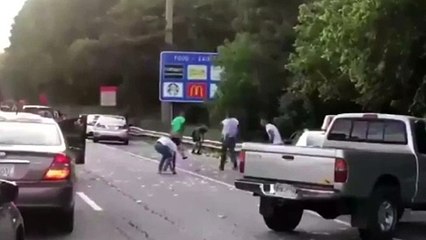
x=44 y=112
x=112 y=121
x=38 y=134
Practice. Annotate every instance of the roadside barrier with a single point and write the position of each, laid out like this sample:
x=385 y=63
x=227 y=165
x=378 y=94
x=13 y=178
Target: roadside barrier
x=139 y=132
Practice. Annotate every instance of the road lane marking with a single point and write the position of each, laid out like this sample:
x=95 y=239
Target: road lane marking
x=89 y=201
x=209 y=179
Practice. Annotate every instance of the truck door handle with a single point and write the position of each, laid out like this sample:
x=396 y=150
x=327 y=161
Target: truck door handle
x=288 y=157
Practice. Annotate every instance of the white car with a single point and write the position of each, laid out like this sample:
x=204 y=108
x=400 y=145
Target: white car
x=111 y=128
x=91 y=121
x=44 y=111
x=311 y=139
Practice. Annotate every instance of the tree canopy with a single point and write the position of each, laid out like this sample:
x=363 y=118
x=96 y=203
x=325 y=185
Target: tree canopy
x=369 y=51
x=78 y=45
x=292 y=60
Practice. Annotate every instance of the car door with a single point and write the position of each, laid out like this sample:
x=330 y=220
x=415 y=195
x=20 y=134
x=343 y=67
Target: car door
x=419 y=130
x=74 y=131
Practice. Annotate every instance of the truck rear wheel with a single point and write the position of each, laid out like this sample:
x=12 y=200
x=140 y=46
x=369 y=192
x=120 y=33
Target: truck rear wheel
x=382 y=215
x=284 y=218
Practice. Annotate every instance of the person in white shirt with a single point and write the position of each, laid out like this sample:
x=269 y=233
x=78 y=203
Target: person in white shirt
x=272 y=131
x=229 y=140
x=168 y=150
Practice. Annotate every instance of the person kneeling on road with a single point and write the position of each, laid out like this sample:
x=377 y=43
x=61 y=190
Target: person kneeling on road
x=198 y=138
x=168 y=150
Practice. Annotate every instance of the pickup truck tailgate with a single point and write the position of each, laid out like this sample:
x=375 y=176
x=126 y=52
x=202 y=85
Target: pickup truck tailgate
x=290 y=163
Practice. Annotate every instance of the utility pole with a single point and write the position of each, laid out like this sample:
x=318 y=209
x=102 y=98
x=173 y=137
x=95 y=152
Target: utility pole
x=166 y=107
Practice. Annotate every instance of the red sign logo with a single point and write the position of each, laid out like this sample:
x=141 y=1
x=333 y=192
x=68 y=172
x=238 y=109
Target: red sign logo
x=196 y=90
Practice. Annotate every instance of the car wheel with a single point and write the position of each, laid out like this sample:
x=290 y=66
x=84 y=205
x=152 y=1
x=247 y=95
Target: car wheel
x=95 y=140
x=284 y=218
x=66 y=221
x=382 y=214
x=126 y=142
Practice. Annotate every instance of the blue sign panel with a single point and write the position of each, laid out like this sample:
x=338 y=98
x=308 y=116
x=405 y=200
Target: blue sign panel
x=188 y=76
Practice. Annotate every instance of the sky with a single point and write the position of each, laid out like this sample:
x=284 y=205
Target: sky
x=8 y=10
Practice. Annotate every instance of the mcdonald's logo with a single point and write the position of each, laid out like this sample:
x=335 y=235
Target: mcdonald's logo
x=195 y=90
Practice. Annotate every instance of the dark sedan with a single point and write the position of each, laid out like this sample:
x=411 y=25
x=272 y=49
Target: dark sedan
x=11 y=222
x=40 y=156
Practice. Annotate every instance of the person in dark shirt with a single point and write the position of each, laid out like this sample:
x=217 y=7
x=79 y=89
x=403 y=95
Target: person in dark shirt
x=198 y=138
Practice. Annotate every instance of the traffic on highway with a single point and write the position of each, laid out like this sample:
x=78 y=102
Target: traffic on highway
x=201 y=120
x=57 y=184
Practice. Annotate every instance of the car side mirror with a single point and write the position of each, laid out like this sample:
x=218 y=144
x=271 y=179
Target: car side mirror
x=8 y=191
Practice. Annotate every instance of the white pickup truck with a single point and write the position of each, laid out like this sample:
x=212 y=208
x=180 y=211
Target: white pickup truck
x=370 y=166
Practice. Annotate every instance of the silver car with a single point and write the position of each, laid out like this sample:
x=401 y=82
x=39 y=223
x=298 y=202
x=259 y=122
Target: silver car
x=11 y=222
x=111 y=128
x=40 y=155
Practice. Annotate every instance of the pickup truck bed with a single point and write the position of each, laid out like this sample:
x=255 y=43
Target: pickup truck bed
x=370 y=166
x=285 y=162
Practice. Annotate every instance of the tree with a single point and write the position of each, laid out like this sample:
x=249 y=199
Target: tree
x=367 y=51
x=254 y=76
x=79 y=45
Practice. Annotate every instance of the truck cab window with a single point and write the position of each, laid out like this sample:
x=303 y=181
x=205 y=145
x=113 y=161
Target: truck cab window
x=375 y=131
x=395 y=132
x=341 y=130
x=359 y=131
x=420 y=132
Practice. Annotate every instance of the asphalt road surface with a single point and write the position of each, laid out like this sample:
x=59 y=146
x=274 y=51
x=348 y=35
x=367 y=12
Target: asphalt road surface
x=121 y=197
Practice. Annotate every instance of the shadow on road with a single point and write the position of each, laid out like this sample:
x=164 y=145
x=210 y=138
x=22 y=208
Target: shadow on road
x=41 y=225
x=406 y=231
x=320 y=235
x=412 y=230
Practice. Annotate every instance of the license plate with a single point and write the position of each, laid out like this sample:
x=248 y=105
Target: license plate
x=285 y=191
x=6 y=171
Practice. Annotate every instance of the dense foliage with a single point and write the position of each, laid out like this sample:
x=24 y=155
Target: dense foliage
x=71 y=47
x=293 y=60
x=371 y=52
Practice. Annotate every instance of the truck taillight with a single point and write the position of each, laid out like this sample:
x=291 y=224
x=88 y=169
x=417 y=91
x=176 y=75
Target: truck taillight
x=242 y=161
x=60 y=169
x=340 y=171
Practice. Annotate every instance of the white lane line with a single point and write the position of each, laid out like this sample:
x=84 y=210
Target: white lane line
x=207 y=178
x=89 y=201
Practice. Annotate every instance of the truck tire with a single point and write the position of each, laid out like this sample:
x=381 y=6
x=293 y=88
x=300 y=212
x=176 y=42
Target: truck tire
x=284 y=218
x=382 y=214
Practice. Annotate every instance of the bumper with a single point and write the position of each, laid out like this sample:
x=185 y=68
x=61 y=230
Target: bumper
x=45 y=195
x=105 y=135
x=267 y=189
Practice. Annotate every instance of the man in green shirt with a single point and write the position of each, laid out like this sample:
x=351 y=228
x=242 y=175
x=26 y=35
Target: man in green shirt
x=178 y=124
x=178 y=127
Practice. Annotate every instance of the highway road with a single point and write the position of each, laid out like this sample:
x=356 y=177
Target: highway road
x=121 y=196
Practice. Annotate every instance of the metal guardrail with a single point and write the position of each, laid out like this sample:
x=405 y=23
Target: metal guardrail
x=139 y=132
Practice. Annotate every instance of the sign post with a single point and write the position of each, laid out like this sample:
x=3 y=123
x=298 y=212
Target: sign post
x=188 y=77
x=167 y=107
x=108 y=96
